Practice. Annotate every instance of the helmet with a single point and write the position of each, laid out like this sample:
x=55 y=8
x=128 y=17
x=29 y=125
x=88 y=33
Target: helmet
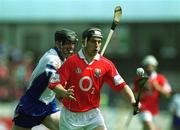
x=150 y=60
x=92 y=32
x=66 y=35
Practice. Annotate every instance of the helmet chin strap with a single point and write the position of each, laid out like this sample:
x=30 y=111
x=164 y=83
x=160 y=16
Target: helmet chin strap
x=85 y=43
x=60 y=54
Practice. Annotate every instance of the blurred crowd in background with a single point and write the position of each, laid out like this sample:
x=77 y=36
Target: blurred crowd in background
x=15 y=70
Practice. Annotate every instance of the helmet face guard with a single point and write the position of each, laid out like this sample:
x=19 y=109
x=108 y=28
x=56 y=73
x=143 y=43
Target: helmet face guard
x=66 y=35
x=92 y=32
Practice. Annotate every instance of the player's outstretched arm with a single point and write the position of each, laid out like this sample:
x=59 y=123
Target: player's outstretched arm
x=64 y=93
x=127 y=90
x=157 y=86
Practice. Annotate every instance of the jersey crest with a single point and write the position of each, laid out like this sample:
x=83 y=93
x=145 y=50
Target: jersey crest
x=78 y=70
x=97 y=72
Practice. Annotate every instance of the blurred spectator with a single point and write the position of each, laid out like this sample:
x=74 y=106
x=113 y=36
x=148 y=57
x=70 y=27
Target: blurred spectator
x=21 y=68
x=29 y=64
x=24 y=69
x=5 y=123
x=15 y=60
x=16 y=55
x=174 y=108
x=157 y=84
x=3 y=48
x=4 y=79
x=14 y=72
x=4 y=71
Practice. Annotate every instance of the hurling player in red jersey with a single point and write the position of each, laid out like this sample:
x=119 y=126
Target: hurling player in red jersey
x=85 y=73
x=157 y=84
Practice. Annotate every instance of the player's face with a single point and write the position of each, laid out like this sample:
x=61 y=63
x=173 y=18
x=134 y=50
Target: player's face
x=93 y=46
x=149 y=68
x=68 y=48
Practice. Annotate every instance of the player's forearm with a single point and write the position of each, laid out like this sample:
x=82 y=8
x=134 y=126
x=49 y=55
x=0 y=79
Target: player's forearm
x=127 y=90
x=60 y=90
x=161 y=90
x=136 y=105
x=64 y=93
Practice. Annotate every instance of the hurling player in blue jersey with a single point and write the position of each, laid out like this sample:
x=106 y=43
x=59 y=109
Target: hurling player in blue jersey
x=38 y=105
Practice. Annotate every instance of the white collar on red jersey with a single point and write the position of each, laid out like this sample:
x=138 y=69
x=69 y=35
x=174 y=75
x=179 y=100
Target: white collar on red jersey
x=81 y=55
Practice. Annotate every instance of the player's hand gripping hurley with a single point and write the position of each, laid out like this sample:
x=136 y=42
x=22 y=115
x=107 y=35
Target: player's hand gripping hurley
x=116 y=20
x=141 y=82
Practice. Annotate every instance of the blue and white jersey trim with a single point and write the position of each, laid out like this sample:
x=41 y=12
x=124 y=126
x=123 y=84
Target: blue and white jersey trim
x=41 y=75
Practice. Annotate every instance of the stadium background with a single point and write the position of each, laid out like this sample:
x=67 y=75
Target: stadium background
x=146 y=27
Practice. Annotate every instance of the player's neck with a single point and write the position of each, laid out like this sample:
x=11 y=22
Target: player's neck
x=88 y=57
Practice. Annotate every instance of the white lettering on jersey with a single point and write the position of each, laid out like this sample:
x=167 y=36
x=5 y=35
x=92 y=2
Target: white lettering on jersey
x=81 y=83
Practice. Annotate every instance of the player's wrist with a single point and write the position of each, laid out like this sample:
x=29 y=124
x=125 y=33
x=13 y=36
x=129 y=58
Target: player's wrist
x=134 y=104
x=136 y=108
x=65 y=93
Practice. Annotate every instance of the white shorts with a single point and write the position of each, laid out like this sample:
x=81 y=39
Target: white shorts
x=81 y=120
x=147 y=116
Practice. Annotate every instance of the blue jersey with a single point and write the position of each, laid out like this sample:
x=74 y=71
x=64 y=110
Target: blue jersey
x=39 y=99
x=41 y=75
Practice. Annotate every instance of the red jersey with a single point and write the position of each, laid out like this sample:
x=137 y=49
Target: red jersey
x=150 y=95
x=87 y=79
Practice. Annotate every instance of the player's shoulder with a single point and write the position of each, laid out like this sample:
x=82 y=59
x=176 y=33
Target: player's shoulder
x=161 y=77
x=73 y=57
x=105 y=60
x=51 y=55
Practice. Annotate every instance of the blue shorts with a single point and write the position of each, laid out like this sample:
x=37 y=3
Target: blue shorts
x=176 y=122
x=31 y=112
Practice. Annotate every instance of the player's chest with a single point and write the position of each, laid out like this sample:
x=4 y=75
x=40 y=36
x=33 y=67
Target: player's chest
x=92 y=70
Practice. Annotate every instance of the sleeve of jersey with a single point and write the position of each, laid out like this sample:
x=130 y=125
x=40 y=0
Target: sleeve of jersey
x=164 y=83
x=60 y=77
x=114 y=79
x=52 y=65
